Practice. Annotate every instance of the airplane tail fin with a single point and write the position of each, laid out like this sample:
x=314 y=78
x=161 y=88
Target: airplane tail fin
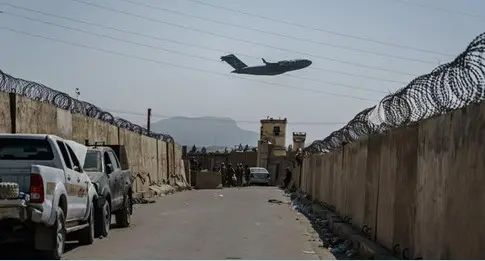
x=233 y=61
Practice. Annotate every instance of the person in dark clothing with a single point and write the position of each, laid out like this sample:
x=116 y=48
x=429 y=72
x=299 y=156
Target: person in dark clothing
x=230 y=173
x=288 y=177
x=239 y=174
x=193 y=164
x=247 y=172
x=223 y=171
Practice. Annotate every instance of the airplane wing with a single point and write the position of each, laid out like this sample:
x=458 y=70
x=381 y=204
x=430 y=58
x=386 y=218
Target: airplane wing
x=233 y=61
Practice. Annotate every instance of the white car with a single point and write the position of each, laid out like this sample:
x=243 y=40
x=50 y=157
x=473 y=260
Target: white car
x=44 y=192
x=259 y=176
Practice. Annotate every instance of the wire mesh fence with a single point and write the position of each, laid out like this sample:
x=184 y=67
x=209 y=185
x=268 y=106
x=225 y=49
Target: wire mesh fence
x=40 y=92
x=448 y=87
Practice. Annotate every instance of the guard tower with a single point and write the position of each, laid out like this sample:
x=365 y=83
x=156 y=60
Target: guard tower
x=298 y=140
x=272 y=147
x=273 y=131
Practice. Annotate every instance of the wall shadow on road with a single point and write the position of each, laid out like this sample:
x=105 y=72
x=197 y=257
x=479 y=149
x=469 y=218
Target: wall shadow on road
x=16 y=251
x=21 y=251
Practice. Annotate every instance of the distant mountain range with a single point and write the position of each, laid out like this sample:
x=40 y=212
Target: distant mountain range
x=206 y=131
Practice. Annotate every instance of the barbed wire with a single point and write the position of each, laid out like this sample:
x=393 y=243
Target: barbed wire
x=448 y=87
x=40 y=92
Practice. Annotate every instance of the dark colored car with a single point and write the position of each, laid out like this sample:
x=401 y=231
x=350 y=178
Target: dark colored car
x=112 y=180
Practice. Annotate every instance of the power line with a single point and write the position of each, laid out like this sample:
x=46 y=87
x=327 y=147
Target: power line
x=276 y=34
x=336 y=84
x=319 y=29
x=180 y=53
x=239 y=39
x=188 y=44
x=222 y=119
x=177 y=65
x=177 y=52
x=441 y=9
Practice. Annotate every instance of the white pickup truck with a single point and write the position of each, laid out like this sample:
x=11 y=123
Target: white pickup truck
x=44 y=192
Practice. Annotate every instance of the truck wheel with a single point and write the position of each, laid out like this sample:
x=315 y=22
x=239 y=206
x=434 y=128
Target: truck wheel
x=103 y=222
x=59 y=232
x=86 y=236
x=123 y=216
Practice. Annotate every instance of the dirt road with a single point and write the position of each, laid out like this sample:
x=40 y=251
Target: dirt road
x=208 y=224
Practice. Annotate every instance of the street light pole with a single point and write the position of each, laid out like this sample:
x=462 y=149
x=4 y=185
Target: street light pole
x=149 y=115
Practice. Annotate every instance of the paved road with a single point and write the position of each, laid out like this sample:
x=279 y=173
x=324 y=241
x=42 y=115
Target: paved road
x=209 y=224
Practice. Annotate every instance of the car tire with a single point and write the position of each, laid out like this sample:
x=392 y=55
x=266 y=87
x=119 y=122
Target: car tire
x=103 y=221
x=86 y=235
x=59 y=234
x=123 y=216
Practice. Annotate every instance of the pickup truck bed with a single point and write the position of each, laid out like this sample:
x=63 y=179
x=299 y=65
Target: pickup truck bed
x=21 y=177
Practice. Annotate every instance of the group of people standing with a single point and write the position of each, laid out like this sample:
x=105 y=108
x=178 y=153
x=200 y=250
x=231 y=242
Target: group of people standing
x=232 y=177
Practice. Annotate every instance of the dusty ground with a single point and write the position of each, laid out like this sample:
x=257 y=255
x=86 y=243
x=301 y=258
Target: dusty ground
x=210 y=224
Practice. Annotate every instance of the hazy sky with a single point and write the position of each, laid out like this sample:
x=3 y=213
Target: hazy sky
x=124 y=83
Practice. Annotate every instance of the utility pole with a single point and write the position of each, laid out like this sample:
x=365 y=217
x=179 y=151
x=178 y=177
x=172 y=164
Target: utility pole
x=149 y=116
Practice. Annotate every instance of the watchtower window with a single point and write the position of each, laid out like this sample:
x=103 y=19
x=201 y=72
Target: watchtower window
x=276 y=130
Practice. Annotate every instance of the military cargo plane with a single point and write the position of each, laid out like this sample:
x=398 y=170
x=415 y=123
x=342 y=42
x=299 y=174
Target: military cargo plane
x=266 y=69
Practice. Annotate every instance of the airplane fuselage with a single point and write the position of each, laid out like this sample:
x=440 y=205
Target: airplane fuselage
x=266 y=69
x=259 y=70
x=274 y=68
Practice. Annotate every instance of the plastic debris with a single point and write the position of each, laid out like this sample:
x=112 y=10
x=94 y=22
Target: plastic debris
x=338 y=246
x=308 y=252
x=24 y=196
x=275 y=201
x=351 y=253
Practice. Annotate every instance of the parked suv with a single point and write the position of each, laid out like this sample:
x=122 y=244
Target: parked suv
x=113 y=185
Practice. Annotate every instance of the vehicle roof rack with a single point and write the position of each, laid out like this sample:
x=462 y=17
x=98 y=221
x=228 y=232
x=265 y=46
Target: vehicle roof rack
x=96 y=143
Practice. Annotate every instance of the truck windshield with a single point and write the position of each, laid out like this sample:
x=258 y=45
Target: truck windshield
x=92 y=163
x=25 y=149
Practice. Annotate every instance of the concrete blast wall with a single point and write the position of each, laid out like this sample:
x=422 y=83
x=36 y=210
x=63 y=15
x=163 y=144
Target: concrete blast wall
x=148 y=158
x=419 y=187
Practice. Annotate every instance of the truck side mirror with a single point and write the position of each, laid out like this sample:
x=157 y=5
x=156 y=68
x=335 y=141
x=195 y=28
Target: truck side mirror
x=109 y=168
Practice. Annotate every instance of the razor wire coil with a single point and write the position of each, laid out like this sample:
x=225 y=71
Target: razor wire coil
x=40 y=92
x=448 y=87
